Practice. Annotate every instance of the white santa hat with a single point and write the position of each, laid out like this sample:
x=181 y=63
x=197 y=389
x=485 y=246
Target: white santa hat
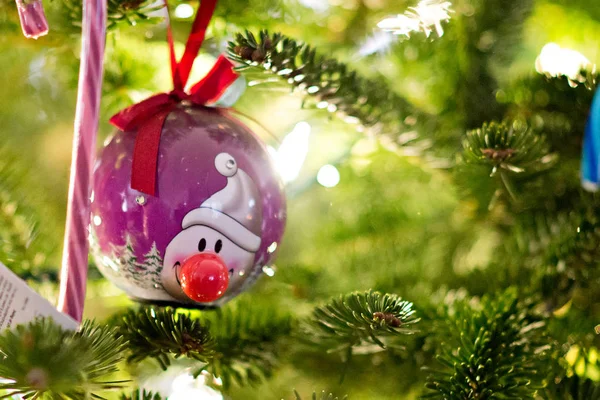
x=235 y=211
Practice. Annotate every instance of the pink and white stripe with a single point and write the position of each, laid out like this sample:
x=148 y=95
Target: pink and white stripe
x=75 y=253
x=32 y=17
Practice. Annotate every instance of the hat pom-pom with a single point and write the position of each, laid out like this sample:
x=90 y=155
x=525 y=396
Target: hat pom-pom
x=226 y=165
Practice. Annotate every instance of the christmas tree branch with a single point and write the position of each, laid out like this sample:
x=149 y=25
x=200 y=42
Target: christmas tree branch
x=502 y=159
x=162 y=333
x=366 y=320
x=16 y=234
x=511 y=147
x=42 y=359
x=139 y=394
x=238 y=343
x=325 y=82
x=24 y=247
x=572 y=388
x=474 y=92
x=130 y=12
x=495 y=348
x=562 y=248
x=323 y=396
x=248 y=342
x=558 y=105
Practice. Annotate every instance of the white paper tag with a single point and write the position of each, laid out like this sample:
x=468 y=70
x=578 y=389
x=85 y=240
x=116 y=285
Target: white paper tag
x=20 y=304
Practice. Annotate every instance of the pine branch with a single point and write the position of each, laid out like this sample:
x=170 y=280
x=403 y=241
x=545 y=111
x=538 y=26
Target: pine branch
x=248 y=342
x=119 y=12
x=502 y=158
x=513 y=148
x=324 y=396
x=571 y=239
x=560 y=250
x=573 y=388
x=325 y=82
x=476 y=55
x=138 y=394
x=493 y=350
x=555 y=105
x=22 y=246
x=162 y=333
x=238 y=343
x=359 y=320
x=42 y=359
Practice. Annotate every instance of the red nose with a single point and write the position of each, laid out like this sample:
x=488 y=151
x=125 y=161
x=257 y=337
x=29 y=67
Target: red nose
x=204 y=277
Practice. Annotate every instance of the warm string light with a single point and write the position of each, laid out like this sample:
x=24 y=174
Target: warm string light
x=291 y=154
x=316 y=5
x=378 y=42
x=178 y=383
x=187 y=387
x=425 y=17
x=556 y=61
x=184 y=11
x=328 y=176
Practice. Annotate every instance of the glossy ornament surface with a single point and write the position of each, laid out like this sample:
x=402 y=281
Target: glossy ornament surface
x=203 y=277
x=219 y=209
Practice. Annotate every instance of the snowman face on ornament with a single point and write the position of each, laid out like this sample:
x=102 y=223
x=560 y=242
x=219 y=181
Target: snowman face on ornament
x=218 y=241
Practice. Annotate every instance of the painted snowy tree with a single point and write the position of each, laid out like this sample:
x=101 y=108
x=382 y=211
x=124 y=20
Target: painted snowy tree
x=133 y=270
x=128 y=270
x=153 y=264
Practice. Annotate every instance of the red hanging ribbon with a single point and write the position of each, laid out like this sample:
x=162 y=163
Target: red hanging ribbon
x=149 y=116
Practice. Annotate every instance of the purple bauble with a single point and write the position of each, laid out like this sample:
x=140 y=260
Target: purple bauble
x=219 y=205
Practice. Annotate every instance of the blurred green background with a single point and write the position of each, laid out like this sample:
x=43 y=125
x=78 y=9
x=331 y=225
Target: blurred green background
x=396 y=222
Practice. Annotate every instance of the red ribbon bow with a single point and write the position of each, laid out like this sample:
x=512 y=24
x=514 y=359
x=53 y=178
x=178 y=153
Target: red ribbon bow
x=149 y=115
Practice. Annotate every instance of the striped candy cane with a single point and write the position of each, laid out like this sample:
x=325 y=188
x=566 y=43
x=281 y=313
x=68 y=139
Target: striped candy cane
x=75 y=253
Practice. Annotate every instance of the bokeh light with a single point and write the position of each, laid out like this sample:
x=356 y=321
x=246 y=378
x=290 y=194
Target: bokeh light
x=328 y=176
x=292 y=152
x=184 y=11
x=556 y=61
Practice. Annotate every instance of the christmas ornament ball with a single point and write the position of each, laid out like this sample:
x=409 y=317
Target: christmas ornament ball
x=214 y=224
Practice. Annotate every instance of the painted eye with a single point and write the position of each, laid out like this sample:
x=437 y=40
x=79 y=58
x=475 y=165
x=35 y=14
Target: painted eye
x=218 y=245
x=202 y=244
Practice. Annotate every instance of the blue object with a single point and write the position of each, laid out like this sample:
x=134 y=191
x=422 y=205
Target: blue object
x=590 y=157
